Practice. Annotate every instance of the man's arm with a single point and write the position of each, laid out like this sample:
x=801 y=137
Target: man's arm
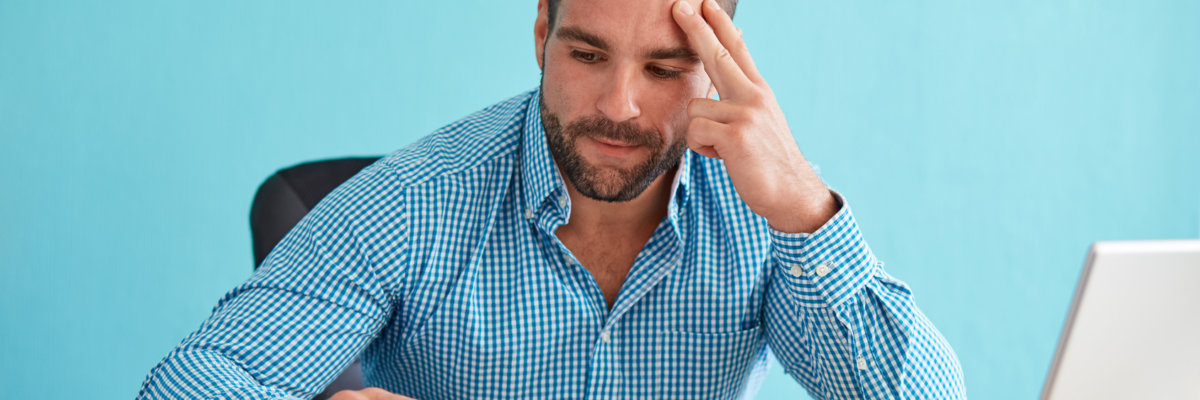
x=307 y=312
x=840 y=325
x=844 y=328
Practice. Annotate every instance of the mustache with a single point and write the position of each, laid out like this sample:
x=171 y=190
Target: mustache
x=604 y=128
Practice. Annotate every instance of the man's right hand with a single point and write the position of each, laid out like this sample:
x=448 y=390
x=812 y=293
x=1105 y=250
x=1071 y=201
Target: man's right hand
x=373 y=393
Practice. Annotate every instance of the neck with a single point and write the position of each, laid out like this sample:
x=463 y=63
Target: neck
x=647 y=209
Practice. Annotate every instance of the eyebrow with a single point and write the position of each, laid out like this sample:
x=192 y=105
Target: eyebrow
x=580 y=35
x=677 y=53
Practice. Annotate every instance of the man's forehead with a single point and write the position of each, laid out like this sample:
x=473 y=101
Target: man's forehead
x=638 y=7
x=642 y=24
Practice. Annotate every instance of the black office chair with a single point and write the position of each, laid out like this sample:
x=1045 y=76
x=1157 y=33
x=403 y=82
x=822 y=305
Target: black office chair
x=281 y=201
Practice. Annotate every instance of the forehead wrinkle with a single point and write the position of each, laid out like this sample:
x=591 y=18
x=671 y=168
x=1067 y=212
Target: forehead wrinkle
x=640 y=27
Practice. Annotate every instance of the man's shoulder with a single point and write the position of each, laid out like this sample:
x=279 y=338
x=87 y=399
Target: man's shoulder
x=477 y=140
x=482 y=144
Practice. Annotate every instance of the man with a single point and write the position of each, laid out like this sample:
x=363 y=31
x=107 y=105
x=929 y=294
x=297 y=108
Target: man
x=567 y=244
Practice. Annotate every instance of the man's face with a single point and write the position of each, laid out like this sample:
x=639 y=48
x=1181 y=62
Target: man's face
x=617 y=76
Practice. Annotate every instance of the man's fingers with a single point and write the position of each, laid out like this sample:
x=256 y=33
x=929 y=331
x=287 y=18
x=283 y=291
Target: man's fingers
x=371 y=393
x=730 y=37
x=703 y=136
x=720 y=111
x=718 y=62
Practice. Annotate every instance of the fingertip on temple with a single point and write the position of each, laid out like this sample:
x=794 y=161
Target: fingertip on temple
x=724 y=5
x=685 y=7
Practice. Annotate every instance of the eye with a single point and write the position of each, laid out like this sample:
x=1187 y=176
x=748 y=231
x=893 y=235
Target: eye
x=585 y=57
x=663 y=73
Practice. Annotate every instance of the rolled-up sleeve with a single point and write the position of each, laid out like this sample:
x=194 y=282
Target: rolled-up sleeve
x=287 y=332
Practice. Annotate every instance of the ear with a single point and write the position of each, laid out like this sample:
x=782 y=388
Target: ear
x=541 y=29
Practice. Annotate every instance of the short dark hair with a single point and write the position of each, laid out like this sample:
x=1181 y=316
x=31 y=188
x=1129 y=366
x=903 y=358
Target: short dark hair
x=552 y=9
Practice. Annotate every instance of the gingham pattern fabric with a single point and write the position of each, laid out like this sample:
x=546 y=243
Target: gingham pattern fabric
x=438 y=266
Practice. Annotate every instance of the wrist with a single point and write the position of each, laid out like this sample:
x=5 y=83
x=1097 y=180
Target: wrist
x=806 y=216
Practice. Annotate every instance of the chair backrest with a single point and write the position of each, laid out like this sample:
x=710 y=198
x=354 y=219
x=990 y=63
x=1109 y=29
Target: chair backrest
x=285 y=197
x=281 y=201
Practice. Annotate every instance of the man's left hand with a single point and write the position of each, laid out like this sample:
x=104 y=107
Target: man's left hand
x=747 y=129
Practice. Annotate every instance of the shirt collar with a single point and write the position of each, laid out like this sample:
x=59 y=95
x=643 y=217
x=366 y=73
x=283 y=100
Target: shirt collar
x=540 y=176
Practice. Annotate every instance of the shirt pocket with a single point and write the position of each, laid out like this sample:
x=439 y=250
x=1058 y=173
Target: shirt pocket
x=679 y=364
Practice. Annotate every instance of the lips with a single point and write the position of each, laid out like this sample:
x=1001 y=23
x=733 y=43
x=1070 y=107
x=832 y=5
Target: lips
x=614 y=143
x=611 y=147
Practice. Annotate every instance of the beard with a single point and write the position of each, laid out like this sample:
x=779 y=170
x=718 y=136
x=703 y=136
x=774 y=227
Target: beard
x=608 y=183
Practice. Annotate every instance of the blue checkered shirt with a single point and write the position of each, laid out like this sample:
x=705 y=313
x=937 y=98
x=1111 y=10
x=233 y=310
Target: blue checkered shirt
x=438 y=266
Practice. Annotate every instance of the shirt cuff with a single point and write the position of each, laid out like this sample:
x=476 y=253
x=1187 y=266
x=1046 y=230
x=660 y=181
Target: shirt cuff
x=823 y=268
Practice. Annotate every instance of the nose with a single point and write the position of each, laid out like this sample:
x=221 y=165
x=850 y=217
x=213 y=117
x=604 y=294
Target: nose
x=618 y=102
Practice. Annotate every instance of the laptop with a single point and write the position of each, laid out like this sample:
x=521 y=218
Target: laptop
x=1133 y=331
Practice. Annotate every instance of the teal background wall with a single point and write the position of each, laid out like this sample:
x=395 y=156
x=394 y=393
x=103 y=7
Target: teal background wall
x=982 y=144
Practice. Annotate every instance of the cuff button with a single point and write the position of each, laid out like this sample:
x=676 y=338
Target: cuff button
x=823 y=269
x=796 y=271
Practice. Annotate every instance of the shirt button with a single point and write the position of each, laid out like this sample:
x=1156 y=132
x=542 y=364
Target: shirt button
x=605 y=337
x=796 y=271
x=862 y=363
x=528 y=214
x=823 y=269
x=562 y=201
